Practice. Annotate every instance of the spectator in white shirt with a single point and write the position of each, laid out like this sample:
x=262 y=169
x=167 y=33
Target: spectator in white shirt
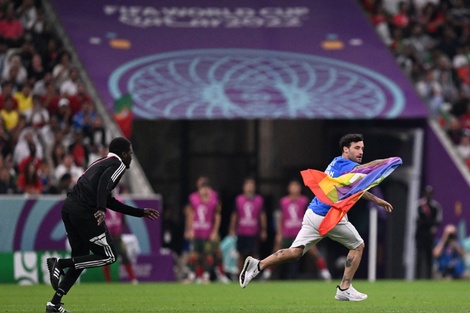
x=68 y=166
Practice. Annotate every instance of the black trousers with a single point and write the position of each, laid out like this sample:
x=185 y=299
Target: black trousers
x=424 y=262
x=85 y=235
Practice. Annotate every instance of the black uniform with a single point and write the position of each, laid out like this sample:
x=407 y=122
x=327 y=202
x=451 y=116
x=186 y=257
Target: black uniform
x=429 y=218
x=91 y=193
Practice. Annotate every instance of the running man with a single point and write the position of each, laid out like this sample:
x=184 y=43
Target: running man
x=352 y=150
x=83 y=214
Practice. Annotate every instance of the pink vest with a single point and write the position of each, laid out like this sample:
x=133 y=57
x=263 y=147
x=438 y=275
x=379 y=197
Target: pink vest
x=204 y=213
x=114 y=222
x=292 y=215
x=248 y=210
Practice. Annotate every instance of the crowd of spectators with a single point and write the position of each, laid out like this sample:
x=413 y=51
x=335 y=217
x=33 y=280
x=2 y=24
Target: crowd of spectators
x=49 y=129
x=430 y=40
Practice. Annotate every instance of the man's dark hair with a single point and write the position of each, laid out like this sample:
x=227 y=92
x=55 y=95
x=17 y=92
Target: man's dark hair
x=346 y=140
x=249 y=178
x=119 y=145
x=295 y=180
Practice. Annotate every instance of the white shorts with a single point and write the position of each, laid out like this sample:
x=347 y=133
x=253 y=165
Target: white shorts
x=345 y=233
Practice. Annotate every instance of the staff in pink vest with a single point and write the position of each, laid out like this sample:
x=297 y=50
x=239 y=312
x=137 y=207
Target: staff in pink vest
x=202 y=230
x=248 y=221
x=114 y=222
x=289 y=223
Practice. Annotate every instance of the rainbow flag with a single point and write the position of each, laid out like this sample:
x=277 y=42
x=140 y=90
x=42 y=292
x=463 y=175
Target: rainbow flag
x=344 y=191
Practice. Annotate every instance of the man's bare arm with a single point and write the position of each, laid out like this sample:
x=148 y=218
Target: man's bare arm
x=371 y=197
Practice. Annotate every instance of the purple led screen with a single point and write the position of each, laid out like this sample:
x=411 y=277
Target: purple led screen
x=29 y=224
x=225 y=59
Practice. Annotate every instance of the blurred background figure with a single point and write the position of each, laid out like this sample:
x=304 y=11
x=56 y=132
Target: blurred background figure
x=202 y=231
x=115 y=223
x=429 y=218
x=67 y=165
x=228 y=247
x=29 y=181
x=7 y=183
x=449 y=254
x=289 y=222
x=248 y=222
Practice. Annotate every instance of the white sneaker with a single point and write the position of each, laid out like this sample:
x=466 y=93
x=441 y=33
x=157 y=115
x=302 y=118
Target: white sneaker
x=250 y=270
x=349 y=294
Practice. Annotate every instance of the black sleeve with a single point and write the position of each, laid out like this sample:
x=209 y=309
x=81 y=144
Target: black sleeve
x=118 y=206
x=104 y=185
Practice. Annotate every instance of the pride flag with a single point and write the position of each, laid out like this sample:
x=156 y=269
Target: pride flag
x=344 y=191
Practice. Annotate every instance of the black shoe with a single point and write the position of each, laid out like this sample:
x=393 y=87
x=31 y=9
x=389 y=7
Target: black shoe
x=50 y=307
x=54 y=273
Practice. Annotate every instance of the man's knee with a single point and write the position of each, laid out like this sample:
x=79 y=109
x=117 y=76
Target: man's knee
x=360 y=248
x=111 y=254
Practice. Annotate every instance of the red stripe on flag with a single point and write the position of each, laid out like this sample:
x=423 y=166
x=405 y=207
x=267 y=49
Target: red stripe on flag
x=336 y=213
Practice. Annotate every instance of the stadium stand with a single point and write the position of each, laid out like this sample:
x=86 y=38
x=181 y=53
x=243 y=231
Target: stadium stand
x=44 y=101
x=431 y=42
x=49 y=128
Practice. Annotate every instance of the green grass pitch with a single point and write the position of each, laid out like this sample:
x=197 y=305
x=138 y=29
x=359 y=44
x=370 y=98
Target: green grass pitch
x=259 y=296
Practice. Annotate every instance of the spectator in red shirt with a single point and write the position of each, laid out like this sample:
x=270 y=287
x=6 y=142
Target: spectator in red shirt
x=79 y=150
x=29 y=181
x=51 y=97
x=11 y=28
x=7 y=92
x=31 y=158
x=465 y=119
x=51 y=57
x=77 y=100
x=402 y=18
x=432 y=18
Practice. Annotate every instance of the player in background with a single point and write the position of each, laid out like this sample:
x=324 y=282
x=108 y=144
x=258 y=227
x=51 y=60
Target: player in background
x=428 y=220
x=289 y=223
x=352 y=150
x=248 y=221
x=202 y=231
x=83 y=214
x=115 y=222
